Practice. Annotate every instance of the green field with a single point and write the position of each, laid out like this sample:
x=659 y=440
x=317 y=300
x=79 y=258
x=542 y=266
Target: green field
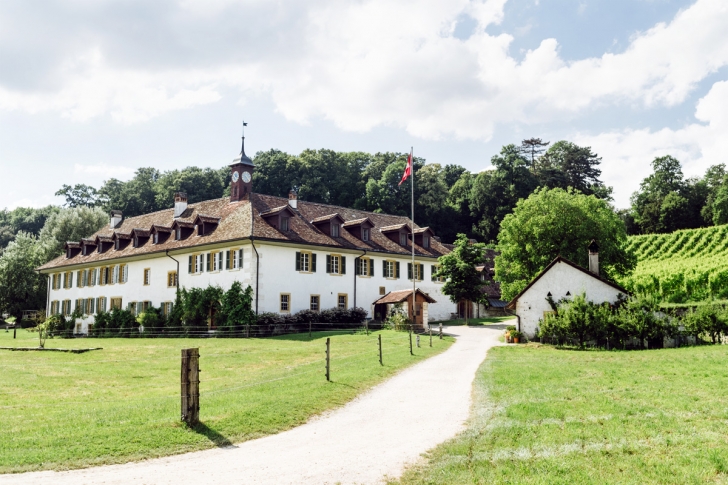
x=63 y=410
x=684 y=266
x=543 y=416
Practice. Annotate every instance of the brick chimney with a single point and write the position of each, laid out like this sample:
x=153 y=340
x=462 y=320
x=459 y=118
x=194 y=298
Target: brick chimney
x=293 y=199
x=116 y=218
x=180 y=203
x=594 y=257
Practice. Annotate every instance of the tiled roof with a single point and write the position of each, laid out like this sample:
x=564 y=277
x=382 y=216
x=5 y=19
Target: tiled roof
x=401 y=295
x=326 y=218
x=395 y=227
x=357 y=222
x=243 y=219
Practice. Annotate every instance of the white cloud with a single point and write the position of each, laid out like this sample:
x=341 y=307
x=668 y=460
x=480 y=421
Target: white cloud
x=385 y=62
x=627 y=153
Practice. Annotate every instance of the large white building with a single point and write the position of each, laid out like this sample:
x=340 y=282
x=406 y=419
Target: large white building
x=295 y=255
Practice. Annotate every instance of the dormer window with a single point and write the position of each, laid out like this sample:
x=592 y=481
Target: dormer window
x=402 y=239
x=425 y=242
x=329 y=224
x=279 y=217
x=284 y=223
x=365 y=234
x=117 y=245
x=178 y=234
x=156 y=238
x=335 y=230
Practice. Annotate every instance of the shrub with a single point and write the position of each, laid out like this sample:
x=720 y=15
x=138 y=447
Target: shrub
x=269 y=318
x=236 y=309
x=153 y=321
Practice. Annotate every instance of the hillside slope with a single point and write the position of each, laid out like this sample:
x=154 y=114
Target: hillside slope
x=687 y=265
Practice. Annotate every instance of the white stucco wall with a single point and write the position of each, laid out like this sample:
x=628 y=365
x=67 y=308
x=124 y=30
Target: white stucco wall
x=559 y=280
x=277 y=275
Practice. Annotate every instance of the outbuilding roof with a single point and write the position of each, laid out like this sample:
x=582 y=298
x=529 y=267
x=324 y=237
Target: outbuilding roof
x=400 y=296
x=560 y=259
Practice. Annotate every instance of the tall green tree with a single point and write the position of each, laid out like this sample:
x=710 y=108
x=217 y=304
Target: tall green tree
x=21 y=287
x=458 y=267
x=80 y=195
x=566 y=164
x=71 y=224
x=198 y=183
x=552 y=222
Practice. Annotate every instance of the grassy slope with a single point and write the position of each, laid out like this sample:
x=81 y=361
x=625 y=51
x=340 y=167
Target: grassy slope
x=122 y=403
x=542 y=415
x=682 y=266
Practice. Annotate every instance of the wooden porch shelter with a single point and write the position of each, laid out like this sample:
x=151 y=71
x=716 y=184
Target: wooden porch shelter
x=416 y=314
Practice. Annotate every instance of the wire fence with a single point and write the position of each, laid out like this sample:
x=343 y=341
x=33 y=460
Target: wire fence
x=345 y=354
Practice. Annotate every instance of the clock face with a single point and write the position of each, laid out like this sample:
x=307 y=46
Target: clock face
x=246 y=177
x=235 y=176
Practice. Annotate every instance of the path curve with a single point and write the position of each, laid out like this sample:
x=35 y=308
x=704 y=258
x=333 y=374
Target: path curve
x=370 y=438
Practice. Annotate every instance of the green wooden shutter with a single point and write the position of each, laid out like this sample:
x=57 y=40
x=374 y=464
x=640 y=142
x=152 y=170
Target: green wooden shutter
x=298 y=261
x=409 y=271
x=209 y=265
x=396 y=266
x=432 y=272
x=240 y=259
x=328 y=263
x=384 y=268
x=313 y=262
x=371 y=267
x=189 y=265
x=228 y=259
x=421 y=271
x=343 y=265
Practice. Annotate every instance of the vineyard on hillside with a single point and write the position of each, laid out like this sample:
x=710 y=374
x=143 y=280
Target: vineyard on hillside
x=688 y=265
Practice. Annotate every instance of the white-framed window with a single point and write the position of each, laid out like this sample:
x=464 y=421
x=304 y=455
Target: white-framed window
x=101 y=304
x=342 y=301
x=434 y=268
x=390 y=269
x=91 y=306
x=419 y=271
x=171 y=279
x=114 y=274
x=364 y=266
x=315 y=303
x=335 y=230
x=335 y=264
x=116 y=303
x=425 y=241
x=217 y=260
x=132 y=307
x=305 y=262
x=147 y=276
x=166 y=308
x=196 y=263
x=285 y=303
x=402 y=239
x=284 y=223
x=55 y=307
x=233 y=259
x=67 y=307
x=365 y=234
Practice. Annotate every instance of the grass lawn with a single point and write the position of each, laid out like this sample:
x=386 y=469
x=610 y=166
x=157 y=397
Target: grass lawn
x=62 y=410
x=542 y=415
x=475 y=321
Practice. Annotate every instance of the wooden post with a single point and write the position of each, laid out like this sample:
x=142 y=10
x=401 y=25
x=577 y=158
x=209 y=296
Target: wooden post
x=309 y=329
x=430 y=336
x=190 y=386
x=247 y=331
x=410 y=337
x=380 y=350
x=418 y=341
x=366 y=323
x=440 y=330
x=328 y=356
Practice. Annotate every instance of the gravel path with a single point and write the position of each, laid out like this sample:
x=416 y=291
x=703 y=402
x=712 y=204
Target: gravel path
x=370 y=438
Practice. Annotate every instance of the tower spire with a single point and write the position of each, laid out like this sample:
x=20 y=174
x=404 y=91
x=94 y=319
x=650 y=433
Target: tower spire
x=242 y=149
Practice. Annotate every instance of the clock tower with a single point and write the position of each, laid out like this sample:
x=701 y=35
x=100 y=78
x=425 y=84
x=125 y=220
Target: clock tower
x=241 y=184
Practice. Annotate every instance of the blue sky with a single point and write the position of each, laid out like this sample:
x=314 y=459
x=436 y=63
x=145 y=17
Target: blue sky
x=91 y=90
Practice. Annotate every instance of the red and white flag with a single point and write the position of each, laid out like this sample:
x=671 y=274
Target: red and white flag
x=407 y=169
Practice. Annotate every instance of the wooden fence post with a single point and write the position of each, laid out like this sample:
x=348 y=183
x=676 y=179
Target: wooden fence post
x=430 y=336
x=366 y=323
x=309 y=329
x=380 y=350
x=440 y=330
x=328 y=357
x=418 y=341
x=190 y=386
x=410 y=337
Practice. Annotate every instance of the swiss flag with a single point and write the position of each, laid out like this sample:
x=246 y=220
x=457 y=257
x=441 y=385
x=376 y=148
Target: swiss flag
x=407 y=169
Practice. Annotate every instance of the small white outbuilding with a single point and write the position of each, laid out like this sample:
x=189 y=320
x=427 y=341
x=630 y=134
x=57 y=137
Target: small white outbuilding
x=562 y=279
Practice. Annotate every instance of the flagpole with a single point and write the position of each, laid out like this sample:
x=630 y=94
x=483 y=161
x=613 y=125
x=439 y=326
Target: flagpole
x=414 y=274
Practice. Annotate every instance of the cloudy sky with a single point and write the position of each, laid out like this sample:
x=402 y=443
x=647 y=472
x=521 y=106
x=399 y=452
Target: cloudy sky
x=92 y=89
